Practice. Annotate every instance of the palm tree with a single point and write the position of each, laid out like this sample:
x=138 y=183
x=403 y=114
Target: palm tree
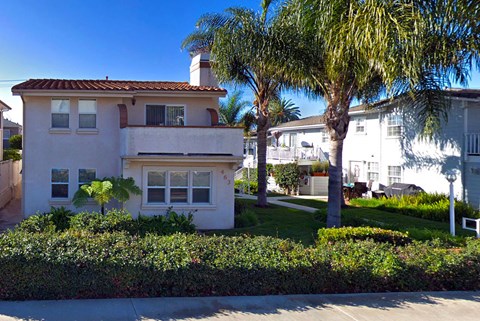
x=231 y=109
x=282 y=111
x=102 y=191
x=361 y=49
x=246 y=49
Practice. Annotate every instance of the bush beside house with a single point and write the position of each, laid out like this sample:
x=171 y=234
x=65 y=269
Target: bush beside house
x=78 y=263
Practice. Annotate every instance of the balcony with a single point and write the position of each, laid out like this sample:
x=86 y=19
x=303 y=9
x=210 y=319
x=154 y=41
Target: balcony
x=138 y=140
x=300 y=154
x=472 y=144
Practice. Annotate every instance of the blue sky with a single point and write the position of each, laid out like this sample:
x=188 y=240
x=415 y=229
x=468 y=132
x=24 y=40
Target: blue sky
x=135 y=40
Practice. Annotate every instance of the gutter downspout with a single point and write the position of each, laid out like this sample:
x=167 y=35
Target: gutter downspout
x=24 y=153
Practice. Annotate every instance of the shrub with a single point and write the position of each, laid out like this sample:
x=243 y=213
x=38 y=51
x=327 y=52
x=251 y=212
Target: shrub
x=333 y=235
x=12 y=154
x=286 y=176
x=431 y=206
x=114 y=220
x=80 y=264
x=241 y=186
x=239 y=206
x=246 y=218
x=269 y=168
x=15 y=141
x=317 y=167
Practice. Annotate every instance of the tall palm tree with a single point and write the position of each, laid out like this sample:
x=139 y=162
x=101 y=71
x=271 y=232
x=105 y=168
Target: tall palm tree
x=361 y=49
x=231 y=109
x=246 y=49
x=282 y=111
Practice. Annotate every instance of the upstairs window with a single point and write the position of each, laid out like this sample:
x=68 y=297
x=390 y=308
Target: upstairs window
x=87 y=113
x=60 y=113
x=324 y=135
x=162 y=115
x=394 y=125
x=360 y=125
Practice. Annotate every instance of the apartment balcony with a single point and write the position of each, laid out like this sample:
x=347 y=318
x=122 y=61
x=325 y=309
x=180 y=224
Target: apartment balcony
x=181 y=141
x=303 y=155
x=472 y=146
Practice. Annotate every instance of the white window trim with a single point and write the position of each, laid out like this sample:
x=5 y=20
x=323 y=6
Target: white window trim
x=364 y=120
x=60 y=200
x=324 y=135
x=60 y=130
x=391 y=176
x=377 y=171
x=190 y=204
x=88 y=130
x=391 y=126
x=166 y=105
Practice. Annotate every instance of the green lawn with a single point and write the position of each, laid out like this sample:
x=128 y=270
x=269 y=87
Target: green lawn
x=279 y=222
x=383 y=218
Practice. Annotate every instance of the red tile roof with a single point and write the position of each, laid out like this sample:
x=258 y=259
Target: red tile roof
x=110 y=85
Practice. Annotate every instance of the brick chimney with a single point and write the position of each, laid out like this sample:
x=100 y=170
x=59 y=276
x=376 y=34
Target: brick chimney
x=200 y=72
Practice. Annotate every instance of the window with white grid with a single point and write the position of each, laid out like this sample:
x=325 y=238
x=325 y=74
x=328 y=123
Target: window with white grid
x=373 y=171
x=394 y=174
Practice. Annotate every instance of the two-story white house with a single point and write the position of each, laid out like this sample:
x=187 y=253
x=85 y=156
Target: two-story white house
x=163 y=134
x=383 y=145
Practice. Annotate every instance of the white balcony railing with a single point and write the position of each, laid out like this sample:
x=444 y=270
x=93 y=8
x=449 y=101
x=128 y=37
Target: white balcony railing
x=472 y=144
x=295 y=153
x=181 y=140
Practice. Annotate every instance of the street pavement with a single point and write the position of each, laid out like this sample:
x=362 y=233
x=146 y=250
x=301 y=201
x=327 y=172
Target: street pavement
x=430 y=306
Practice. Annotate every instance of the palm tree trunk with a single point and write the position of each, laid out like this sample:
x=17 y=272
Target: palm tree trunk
x=262 y=165
x=335 y=184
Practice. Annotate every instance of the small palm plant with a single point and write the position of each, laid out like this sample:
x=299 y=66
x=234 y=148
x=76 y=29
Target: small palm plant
x=102 y=191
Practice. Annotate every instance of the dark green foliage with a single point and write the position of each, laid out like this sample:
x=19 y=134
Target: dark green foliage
x=269 y=169
x=15 y=141
x=286 y=176
x=60 y=219
x=247 y=218
x=342 y=234
x=423 y=205
x=12 y=154
x=81 y=264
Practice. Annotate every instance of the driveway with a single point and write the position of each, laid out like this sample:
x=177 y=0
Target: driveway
x=11 y=214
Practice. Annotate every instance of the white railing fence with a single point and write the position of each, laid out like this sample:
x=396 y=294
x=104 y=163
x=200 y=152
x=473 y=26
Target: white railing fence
x=472 y=143
x=295 y=153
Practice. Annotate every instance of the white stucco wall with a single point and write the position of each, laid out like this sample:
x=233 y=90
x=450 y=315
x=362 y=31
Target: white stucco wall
x=72 y=149
x=217 y=215
x=227 y=140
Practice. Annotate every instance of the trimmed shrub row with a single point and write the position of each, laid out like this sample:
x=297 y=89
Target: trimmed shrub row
x=115 y=220
x=81 y=264
x=430 y=206
x=333 y=235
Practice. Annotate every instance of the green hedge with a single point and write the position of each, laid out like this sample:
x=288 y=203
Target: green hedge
x=430 y=206
x=332 y=235
x=114 y=220
x=242 y=186
x=82 y=264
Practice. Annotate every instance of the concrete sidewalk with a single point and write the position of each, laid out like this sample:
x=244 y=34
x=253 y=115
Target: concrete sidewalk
x=432 y=306
x=277 y=200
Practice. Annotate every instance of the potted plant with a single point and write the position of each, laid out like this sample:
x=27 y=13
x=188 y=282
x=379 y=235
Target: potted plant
x=320 y=168
x=317 y=168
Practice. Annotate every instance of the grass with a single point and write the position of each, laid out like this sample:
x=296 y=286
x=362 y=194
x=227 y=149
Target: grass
x=387 y=219
x=279 y=221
